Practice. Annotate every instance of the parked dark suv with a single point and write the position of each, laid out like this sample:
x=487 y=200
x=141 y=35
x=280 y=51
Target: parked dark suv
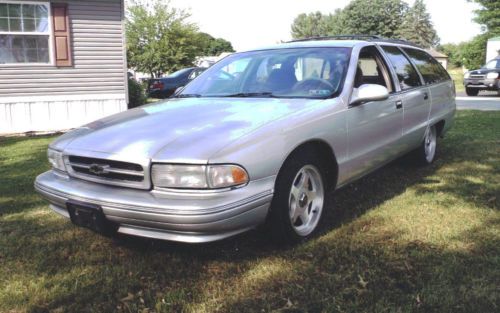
x=485 y=78
x=166 y=86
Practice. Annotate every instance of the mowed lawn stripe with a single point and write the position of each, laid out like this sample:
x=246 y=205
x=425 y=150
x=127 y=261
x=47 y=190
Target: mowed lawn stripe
x=403 y=239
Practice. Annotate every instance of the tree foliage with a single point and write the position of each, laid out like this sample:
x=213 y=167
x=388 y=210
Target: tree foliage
x=159 y=38
x=417 y=26
x=309 y=25
x=387 y=18
x=373 y=17
x=210 y=46
x=488 y=15
x=474 y=52
x=454 y=53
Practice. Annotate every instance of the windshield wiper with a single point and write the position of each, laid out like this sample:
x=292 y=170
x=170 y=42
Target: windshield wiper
x=189 y=95
x=250 y=95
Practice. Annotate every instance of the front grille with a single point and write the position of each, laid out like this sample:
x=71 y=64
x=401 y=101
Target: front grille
x=477 y=76
x=107 y=171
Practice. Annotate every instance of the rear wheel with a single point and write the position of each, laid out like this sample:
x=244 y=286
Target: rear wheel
x=471 y=92
x=426 y=153
x=299 y=199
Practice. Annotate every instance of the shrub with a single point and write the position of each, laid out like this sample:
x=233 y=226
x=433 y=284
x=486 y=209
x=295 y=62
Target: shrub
x=136 y=94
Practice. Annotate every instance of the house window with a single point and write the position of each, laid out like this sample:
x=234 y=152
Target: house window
x=24 y=32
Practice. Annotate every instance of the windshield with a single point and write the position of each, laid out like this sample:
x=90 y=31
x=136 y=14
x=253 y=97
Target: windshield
x=493 y=64
x=293 y=73
x=179 y=72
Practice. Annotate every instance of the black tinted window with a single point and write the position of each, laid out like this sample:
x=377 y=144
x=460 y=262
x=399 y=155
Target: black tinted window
x=431 y=70
x=407 y=75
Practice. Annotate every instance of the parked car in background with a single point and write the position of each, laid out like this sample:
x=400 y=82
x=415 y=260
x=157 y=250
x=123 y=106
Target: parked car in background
x=261 y=136
x=485 y=78
x=166 y=86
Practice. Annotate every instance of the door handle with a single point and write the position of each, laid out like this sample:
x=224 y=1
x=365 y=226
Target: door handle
x=426 y=96
x=399 y=104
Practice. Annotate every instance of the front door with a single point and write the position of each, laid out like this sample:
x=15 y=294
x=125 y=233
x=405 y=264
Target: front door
x=374 y=128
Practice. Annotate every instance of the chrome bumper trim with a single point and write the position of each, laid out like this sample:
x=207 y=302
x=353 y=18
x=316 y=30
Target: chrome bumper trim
x=176 y=236
x=52 y=193
x=238 y=211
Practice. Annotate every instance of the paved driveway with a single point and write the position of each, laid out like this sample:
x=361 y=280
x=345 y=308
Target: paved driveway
x=487 y=101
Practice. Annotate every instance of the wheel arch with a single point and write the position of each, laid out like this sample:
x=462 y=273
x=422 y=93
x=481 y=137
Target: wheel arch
x=440 y=127
x=325 y=151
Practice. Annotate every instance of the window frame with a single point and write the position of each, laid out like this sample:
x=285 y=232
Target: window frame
x=50 y=33
x=437 y=63
x=384 y=65
x=393 y=70
x=347 y=50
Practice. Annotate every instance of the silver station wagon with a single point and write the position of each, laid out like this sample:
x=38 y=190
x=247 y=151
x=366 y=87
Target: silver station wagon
x=258 y=138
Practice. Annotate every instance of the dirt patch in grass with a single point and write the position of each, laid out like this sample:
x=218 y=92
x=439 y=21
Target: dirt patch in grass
x=403 y=239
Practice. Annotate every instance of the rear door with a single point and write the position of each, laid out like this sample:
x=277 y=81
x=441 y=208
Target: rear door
x=438 y=81
x=415 y=97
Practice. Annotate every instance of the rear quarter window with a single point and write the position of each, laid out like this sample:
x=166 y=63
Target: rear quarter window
x=429 y=68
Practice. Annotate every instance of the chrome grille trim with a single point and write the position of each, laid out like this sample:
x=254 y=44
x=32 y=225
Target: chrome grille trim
x=110 y=169
x=476 y=76
x=107 y=171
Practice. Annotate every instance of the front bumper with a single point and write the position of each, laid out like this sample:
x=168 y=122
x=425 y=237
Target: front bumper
x=176 y=216
x=482 y=84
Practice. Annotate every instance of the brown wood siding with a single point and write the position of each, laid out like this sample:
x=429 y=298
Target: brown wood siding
x=97 y=51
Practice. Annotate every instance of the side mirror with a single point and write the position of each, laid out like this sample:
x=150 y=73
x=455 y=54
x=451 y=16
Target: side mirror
x=368 y=92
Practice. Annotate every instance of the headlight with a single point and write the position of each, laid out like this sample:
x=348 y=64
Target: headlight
x=56 y=160
x=198 y=176
x=492 y=75
x=467 y=75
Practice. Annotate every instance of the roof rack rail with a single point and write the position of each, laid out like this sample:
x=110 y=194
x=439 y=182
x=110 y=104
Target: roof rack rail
x=338 y=37
x=400 y=41
x=375 y=38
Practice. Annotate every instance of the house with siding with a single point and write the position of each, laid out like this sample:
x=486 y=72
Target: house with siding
x=62 y=63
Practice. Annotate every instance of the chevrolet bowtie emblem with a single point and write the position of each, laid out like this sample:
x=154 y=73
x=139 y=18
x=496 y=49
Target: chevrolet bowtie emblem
x=98 y=169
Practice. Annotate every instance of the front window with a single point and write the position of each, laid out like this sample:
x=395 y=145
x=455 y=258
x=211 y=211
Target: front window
x=24 y=33
x=293 y=73
x=493 y=64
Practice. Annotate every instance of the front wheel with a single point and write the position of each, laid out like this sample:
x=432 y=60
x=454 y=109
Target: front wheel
x=299 y=199
x=471 y=92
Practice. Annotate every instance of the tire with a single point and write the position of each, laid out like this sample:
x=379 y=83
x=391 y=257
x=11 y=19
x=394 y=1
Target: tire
x=425 y=154
x=471 y=92
x=299 y=200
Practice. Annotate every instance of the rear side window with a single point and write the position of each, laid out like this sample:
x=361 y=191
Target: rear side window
x=407 y=75
x=431 y=70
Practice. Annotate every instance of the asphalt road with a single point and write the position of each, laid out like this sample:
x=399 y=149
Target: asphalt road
x=486 y=101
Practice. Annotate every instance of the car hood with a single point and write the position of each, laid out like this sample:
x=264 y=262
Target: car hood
x=178 y=130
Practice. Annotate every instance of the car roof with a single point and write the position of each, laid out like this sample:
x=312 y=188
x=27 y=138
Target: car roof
x=311 y=44
x=326 y=43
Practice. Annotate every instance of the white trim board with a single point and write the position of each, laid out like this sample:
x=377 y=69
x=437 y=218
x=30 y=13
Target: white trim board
x=52 y=98
x=56 y=114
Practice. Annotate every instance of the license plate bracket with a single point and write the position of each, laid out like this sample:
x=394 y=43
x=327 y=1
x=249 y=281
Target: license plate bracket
x=89 y=216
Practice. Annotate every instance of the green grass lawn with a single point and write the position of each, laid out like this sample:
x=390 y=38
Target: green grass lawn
x=404 y=239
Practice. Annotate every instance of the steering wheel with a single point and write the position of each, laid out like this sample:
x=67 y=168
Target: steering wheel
x=227 y=75
x=313 y=83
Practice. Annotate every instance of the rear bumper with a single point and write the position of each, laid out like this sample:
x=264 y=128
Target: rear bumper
x=185 y=217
